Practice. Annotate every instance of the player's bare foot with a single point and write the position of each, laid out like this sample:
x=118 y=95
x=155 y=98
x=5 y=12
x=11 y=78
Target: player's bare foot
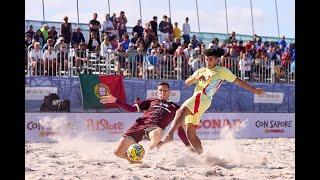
x=167 y=139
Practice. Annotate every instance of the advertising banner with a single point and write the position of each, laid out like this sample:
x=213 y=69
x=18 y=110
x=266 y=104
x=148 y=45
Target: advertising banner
x=44 y=127
x=38 y=93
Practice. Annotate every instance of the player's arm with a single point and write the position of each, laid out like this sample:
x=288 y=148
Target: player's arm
x=111 y=99
x=194 y=78
x=248 y=87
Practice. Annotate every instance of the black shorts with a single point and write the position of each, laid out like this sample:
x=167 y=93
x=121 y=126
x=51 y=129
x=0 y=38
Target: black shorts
x=139 y=131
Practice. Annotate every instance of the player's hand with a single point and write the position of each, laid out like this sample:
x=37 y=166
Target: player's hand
x=201 y=78
x=108 y=99
x=259 y=91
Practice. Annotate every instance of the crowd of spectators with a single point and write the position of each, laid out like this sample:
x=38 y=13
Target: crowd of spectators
x=48 y=48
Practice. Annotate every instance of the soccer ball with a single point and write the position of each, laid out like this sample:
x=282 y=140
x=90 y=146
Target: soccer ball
x=135 y=152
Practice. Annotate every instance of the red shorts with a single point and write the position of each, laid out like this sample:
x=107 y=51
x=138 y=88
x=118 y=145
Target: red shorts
x=138 y=131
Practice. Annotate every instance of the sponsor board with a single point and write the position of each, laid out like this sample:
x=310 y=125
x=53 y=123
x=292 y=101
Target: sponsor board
x=174 y=95
x=38 y=93
x=111 y=126
x=269 y=97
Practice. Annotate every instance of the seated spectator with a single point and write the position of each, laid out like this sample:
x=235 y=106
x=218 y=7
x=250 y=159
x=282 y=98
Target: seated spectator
x=77 y=37
x=189 y=51
x=39 y=37
x=80 y=56
x=125 y=41
x=94 y=41
x=194 y=41
x=36 y=60
x=285 y=58
x=59 y=42
x=134 y=38
x=50 y=61
x=105 y=46
x=53 y=33
x=50 y=42
x=114 y=42
x=196 y=61
x=27 y=40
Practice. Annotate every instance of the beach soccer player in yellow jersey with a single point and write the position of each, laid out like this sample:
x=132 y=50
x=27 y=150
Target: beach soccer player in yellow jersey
x=208 y=80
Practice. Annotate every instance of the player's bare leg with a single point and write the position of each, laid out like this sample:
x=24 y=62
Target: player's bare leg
x=177 y=122
x=193 y=138
x=155 y=137
x=123 y=145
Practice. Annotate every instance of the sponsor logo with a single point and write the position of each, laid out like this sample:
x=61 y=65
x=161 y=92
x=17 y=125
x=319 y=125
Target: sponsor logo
x=220 y=123
x=101 y=90
x=273 y=126
x=48 y=131
x=104 y=125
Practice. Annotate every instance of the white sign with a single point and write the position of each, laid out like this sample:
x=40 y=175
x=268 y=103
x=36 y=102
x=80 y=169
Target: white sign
x=269 y=97
x=111 y=126
x=174 y=95
x=38 y=93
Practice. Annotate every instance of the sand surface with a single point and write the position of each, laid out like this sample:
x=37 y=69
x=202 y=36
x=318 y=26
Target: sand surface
x=269 y=158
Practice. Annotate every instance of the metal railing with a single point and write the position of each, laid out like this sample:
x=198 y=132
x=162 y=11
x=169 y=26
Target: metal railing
x=147 y=66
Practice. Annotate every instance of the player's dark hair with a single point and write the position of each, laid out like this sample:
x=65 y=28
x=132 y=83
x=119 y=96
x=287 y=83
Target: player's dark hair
x=164 y=84
x=214 y=52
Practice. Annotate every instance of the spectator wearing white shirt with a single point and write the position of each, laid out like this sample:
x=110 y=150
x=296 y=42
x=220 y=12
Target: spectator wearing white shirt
x=245 y=63
x=107 y=25
x=36 y=59
x=50 y=61
x=186 y=31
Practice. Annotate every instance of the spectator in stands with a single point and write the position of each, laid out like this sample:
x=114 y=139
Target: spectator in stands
x=94 y=41
x=196 y=61
x=176 y=31
x=189 y=51
x=114 y=42
x=39 y=37
x=66 y=30
x=31 y=46
x=77 y=37
x=164 y=28
x=245 y=63
x=53 y=33
x=107 y=25
x=138 y=29
x=121 y=24
x=285 y=58
x=80 y=56
x=135 y=37
x=27 y=40
x=50 y=61
x=154 y=26
x=153 y=64
x=240 y=48
x=283 y=42
x=257 y=38
x=232 y=38
x=30 y=31
x=272 y=53
x=50 y=42
x=170 y=31
x=132 y=60
x=194 y=41
x=94 y=26
x=147 y=31
x=60 y=41
x=113 y=19
x=174 y=46
x=125 y=42
x=105 y=46
x=186 y=32
x=62 y=59
x=120 y=58
x=140 y=60
x=36 y=59
x=44 y=32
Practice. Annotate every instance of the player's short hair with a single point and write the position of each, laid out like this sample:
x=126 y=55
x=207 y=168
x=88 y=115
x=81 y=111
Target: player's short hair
x=214 y=52
x=164 y=84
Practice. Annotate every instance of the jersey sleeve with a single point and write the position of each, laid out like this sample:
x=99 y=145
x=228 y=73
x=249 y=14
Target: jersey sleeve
x=143 y=105
x=196 y=73
x=227 y=75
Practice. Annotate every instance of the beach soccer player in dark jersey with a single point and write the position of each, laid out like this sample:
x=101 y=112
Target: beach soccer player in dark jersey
x=157 y=115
